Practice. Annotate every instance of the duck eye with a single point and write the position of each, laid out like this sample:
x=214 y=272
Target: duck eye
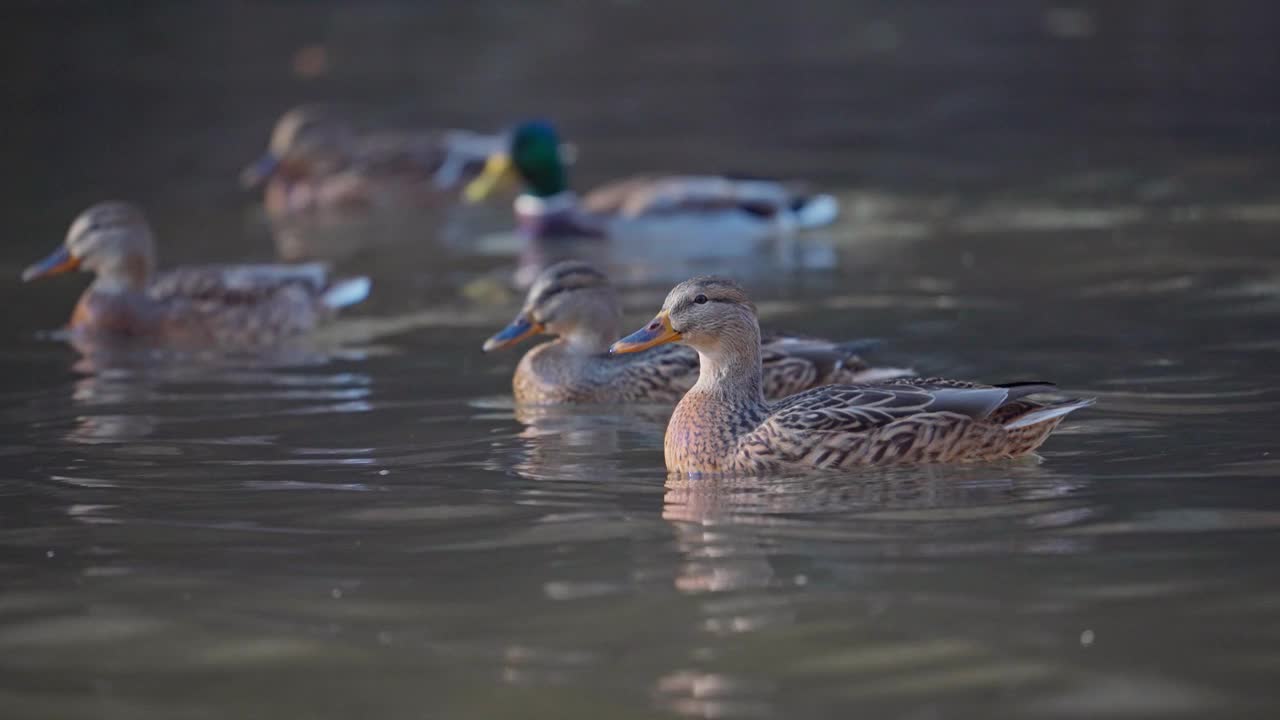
x=700 y=300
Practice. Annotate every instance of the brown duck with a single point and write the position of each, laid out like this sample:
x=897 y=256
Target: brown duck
x=575 y=302
x=724 y=425
x=228 y=305
x=316 y=162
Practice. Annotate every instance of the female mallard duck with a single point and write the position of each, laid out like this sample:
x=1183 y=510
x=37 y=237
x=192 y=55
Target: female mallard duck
x=317 y=162
x=724 y=425
x=653 y=207
x=575 y=302
x=241 y=305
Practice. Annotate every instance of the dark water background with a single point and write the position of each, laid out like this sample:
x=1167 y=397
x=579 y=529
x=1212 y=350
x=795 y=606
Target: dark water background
x=1080 y=191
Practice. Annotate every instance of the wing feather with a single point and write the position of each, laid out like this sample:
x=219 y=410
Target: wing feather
x=924 y=419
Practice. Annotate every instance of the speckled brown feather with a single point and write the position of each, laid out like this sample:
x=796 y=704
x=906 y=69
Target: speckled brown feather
x=551 y=374
x=232 y=305
x=557 y=372
x=326 y=165
x=724 y=425
x=196 y=306
x=842 y=427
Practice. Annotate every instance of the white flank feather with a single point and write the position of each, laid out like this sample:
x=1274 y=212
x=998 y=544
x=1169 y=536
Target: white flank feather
x=347 y=292
x=818 y=211
x=1048 y=413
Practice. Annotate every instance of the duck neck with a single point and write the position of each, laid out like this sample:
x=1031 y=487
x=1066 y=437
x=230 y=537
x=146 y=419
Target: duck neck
x=730 y=369
x=544 y=175
x=586 y=341
x=595 y=326
x=534 y=205
x=129 y=275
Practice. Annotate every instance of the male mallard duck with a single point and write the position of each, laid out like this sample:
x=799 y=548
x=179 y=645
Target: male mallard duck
x=224 y=305
x=317 y=161
x=724 y=425
x=575 y=302
x=652 y=206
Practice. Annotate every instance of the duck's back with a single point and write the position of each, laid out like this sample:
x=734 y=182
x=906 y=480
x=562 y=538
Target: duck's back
x=904 y=421
x=248 y=304
x=792 y=364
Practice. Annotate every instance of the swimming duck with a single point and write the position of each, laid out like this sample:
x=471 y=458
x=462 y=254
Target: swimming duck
x=316 y=161
x=240 y=305
x=724 y=425
x=575 y=302
x=721 y=207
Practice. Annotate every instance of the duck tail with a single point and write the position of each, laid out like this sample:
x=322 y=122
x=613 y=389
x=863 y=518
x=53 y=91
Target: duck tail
x=347 y=291
x=881 y=374
x=1018 y=390
x=813 y=211
x=860 y=346
x=1049 y=412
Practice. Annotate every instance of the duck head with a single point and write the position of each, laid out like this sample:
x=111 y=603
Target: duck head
x=306 y=141
x=112 y=240
x=572 y=300
x=709 y=313
x=534 y=157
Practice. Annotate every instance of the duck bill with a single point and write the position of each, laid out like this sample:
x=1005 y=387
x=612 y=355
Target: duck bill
x=519 y=329
x=259 y=171
x=499 y=173
x=657 y=332
x=58 y=262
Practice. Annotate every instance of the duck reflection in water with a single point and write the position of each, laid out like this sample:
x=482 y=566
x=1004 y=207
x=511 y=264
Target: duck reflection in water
x=739 y=532
x=128 y=391
x=582 y=443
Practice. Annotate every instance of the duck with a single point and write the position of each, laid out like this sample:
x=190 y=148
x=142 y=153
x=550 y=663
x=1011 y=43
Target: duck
x=718 y=207
x=725 y=425
x=576 y=303
x=316 y=162
x=221 y=305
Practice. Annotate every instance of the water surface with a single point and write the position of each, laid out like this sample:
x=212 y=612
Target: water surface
x=367 y=527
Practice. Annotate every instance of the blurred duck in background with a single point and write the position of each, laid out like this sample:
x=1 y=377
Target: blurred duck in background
x=576 y=303
x=703 y=208
x=316 y=161
x=226 y=305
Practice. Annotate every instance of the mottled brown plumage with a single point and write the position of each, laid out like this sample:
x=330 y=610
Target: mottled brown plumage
x=575 y=302
x=724 y=425
x=316 y=161
x=232 y=305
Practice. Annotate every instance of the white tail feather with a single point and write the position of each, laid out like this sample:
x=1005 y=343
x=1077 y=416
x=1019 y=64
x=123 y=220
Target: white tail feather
x=1048 y=413
x=874 y=375
x=346 y=292
x=818 y=211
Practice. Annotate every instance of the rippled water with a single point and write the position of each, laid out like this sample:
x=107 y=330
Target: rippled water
x=367 y=527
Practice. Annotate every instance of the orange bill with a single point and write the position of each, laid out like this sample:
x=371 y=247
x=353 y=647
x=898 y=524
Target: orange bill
x=657 y=332
x=259 y=172
x=519 y=329
x=58 y=262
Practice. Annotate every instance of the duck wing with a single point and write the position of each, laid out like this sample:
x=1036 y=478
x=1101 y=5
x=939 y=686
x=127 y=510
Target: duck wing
x=446 y=156
x=251 y=304
x=238 y=283
x=859 y=408
x=907 y=420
